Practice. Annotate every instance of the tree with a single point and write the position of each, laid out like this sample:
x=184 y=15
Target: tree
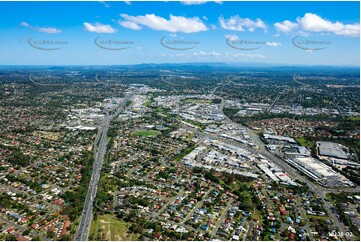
x=66 y=237
x=246 y=200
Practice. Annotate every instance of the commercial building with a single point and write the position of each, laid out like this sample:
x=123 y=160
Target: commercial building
x=319 y=171
x=278 y=139
x=313 y=167
x=331 y=149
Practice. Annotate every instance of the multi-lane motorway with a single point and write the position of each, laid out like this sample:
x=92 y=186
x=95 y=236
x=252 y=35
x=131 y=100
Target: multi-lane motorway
x=100 y=149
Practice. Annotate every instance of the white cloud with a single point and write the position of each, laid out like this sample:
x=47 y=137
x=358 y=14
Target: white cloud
x=213 y=26
x=311 y=22
x=48 y=30
x=302 y=33
x=174 y=55
x=227 y=55
x=128 y=2
x=99 y=28
x=174 y=24
x=239 y=24
x=203 y=53
x=105 y=4
x=286 y=26
x=25 y=24
x=314 y=23
x=231 y=37
x=249 y=56
x=130 y=25
x=198 y=2
x=210 y=55
x=273 y=44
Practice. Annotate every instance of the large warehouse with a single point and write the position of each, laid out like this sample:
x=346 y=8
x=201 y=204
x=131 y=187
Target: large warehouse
x=319 y=171
x=330 y=149
x=315 y=167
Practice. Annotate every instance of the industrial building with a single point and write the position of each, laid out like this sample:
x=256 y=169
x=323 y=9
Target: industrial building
x=330 y=149
x=278 y=139
x=313 y=167
x=275 y=173
x=319 y=171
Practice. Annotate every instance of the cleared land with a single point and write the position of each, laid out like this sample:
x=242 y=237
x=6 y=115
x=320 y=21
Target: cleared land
x=108 y=227
x=146 y=133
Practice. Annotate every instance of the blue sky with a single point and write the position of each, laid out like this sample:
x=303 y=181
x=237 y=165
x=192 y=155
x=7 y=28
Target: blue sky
x=111 y=33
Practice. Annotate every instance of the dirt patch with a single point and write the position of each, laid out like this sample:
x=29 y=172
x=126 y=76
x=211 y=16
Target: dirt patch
x=108 y=235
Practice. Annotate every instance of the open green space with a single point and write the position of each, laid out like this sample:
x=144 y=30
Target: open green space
x=146 y=133
x=354 y=118
x=316 y=216
x=191 y=136
x=108 y=227
x=198 y=124
x=305 y=142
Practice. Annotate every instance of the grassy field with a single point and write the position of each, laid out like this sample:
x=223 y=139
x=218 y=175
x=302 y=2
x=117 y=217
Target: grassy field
x=200 y=125
x=108 y=227
x=304 y=142
x=354 y=118
x=146 y=133
x=194 y=100
x=191 y=136
x=316 y=216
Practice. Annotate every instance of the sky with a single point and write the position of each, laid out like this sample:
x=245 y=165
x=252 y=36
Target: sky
x=117 y=33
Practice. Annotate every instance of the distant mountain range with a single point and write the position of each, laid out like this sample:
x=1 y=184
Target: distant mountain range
x=190 y=65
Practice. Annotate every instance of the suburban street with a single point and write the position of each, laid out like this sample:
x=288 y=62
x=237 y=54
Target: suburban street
x=21 y=228
x=221 y=219
x=197 y=206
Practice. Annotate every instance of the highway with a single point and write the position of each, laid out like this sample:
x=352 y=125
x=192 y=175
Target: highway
x=100 y=148
x=294 y=77
x=273 y=103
